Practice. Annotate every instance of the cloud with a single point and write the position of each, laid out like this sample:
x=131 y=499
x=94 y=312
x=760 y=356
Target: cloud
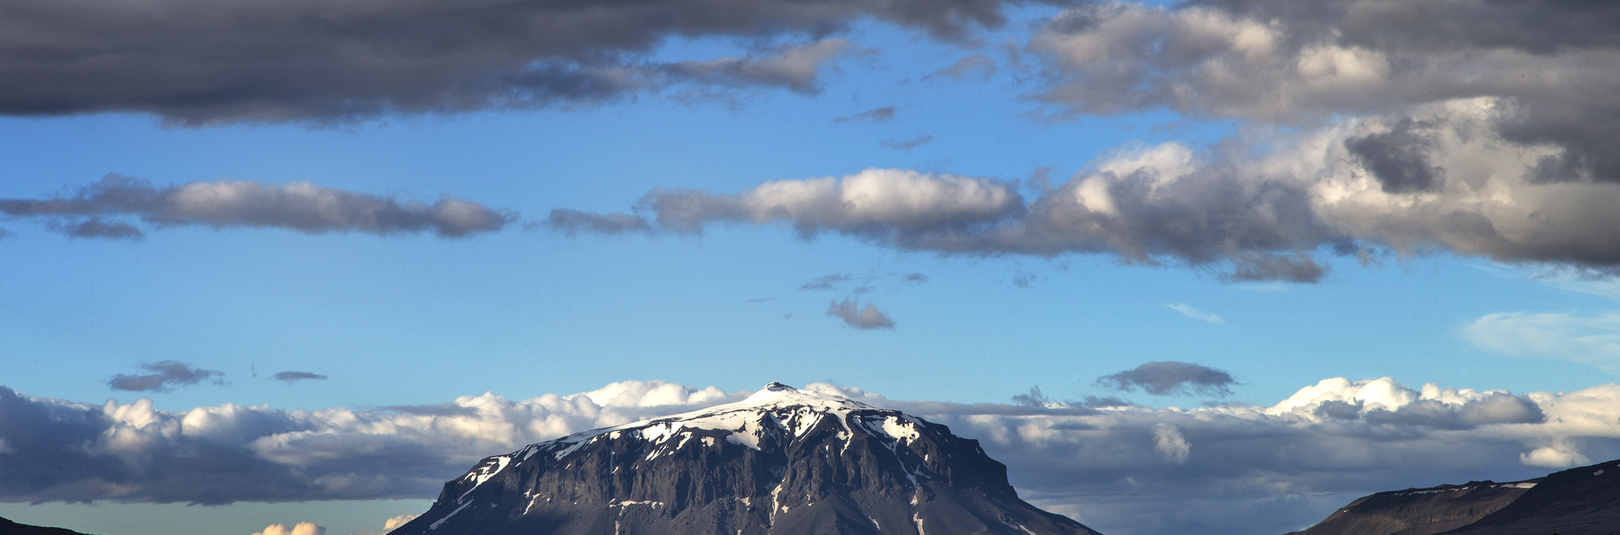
x=167 y=374
x=796 y=68
x=302 y=528
x=1171 y=378
x=298 y=206
x=398 y=521
x=906 y=144
x=890 y=205
x=1589 y=339
x=94 y=227
x=979 y=64
x=230 y=62
x=1258 y=207
x=1262 y=61
x=1127 y=469
x=1173 y=447
x=854 y=315
x=875 y=115
x=1188 y=311
x=76 y=452
x=388 y=525
x=1556 y=456
x=829 y=281
x=914 y=278
x=293 y=377
x=573 y=222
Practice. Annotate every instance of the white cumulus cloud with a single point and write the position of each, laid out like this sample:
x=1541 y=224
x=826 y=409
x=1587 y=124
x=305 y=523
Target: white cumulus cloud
x=302 y=528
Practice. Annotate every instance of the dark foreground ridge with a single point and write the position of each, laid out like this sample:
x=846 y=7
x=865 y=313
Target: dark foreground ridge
x=1420 y=511
x=782 y=462
x=1578 y=501
x=8 y=527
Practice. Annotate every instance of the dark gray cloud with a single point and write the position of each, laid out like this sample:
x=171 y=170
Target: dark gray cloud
x=1553 y=61
x=293 y=377
x=829 y=281
x=906 y=144
x=914 y=278
x=1170 y=378
x=298 y=206
x=271 y=61
x=976 y=64
x=875 y=115
x=854 y=315
x=94 y=227
x=1399 y=158
x=164 y=377
x=574 y=222
x=1033 y=398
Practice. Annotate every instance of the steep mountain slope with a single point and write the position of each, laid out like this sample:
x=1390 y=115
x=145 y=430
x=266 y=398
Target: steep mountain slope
x=1578 y=501
x=1420 y=511
x=8 y=527
x=782 y=462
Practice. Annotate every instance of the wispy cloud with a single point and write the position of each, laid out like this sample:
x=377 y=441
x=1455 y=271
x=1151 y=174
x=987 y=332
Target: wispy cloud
x=1591 y=339
x=906 y=143
x=875 y=115
x=829 y=281
x=1188 y=311
x=976 y=64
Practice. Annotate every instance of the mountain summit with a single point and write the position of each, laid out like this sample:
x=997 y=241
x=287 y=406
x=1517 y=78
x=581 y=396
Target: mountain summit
x=781 y=462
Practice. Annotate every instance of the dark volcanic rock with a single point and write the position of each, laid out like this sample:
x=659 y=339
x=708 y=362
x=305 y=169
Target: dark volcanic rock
x=1578 y=501
x=1420 y=511
x=782 y=462
x=8 y=527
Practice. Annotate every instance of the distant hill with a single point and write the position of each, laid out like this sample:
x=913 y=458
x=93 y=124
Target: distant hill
x=8 y=527
x=1578 y=501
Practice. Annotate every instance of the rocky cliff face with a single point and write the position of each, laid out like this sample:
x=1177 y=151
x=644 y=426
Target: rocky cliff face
x=1420 y=511
x=782 y=462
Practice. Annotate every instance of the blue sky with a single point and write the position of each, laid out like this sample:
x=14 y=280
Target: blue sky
x=1389 y=164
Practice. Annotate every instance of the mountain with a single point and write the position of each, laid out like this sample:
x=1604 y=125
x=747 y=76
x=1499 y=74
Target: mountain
x=782 y=462
x=1420 y=511
x=1578 y=501
x=8 y=527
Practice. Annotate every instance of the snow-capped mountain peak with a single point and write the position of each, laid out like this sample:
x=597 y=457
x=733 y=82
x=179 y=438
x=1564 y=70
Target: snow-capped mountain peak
x=783 y=461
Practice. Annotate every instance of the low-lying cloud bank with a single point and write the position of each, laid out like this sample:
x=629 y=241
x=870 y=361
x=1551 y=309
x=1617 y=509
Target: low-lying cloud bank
x=297 y=206
x=1124 y=469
